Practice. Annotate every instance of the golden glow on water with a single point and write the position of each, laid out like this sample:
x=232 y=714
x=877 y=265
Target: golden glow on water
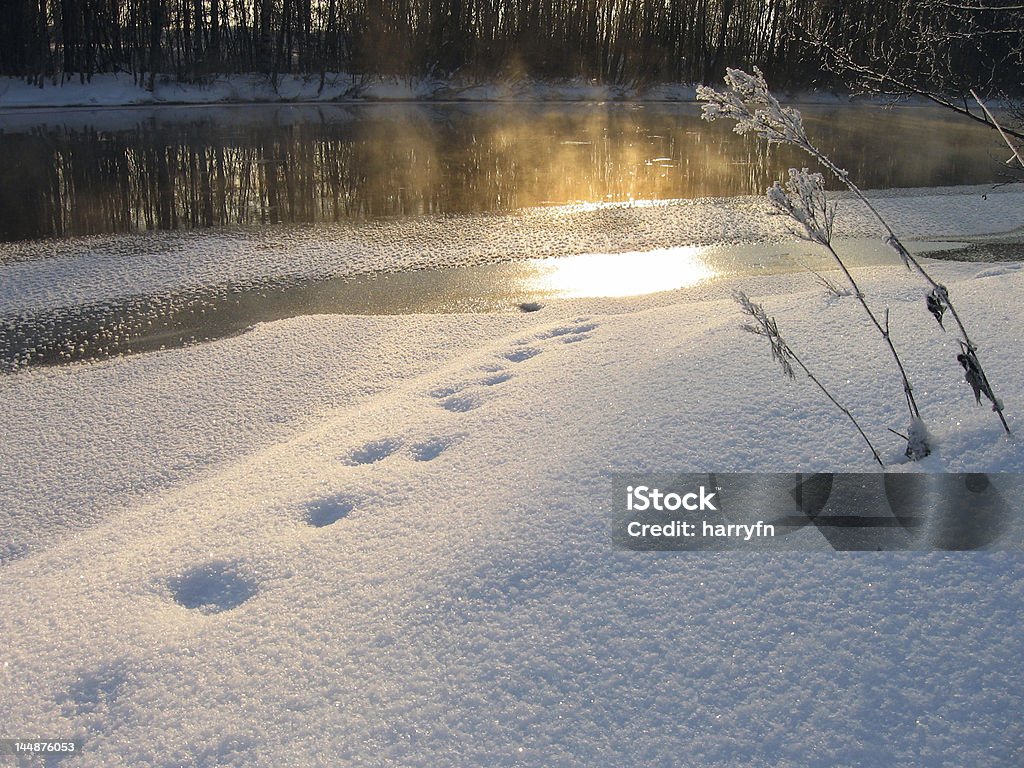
x=330 y=163
x=620 y=274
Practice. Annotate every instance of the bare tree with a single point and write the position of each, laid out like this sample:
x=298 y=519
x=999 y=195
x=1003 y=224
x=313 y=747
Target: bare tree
x=940 y=50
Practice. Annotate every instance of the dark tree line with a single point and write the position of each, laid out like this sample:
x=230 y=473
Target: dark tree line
x=617 y=41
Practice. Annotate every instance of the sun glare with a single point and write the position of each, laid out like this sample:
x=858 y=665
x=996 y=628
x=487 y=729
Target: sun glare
x=621 y=274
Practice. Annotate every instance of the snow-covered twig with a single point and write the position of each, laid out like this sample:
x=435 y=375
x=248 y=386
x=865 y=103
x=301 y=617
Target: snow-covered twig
x=992 y=119
x=831 y=289
x=803 y=199
x=765 y=326
x=749 y=102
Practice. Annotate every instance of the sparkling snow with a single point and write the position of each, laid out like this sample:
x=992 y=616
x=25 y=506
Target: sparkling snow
x=384 y=540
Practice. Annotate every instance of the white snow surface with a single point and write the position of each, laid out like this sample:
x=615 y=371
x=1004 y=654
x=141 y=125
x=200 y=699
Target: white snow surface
x=341 y=540
x=55 y=273
x=123 y=90
x=105 y=90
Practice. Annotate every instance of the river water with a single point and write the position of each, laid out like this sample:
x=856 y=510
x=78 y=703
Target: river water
x=115 y=186
x=79 y=172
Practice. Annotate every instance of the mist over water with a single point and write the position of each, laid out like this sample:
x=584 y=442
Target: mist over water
x=82 y=172
x=130 y=230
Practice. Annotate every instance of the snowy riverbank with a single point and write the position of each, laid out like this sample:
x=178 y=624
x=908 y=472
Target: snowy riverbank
x=123 y=90
x=341 y=540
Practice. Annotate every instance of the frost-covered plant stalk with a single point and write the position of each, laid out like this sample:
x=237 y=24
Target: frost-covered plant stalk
x=992 y=119
x=765 y=326
x=748 y=101
x=803 y=199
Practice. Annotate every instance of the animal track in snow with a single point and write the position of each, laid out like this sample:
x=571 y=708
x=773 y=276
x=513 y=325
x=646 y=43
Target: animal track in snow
x=447 y=391
x=431 y=448
x=997 y=271
x=461 y=403
x=212 y=588
x=574 y=338
x=372 y=452
x=95 y=689
x=330 y=510
x=498 y=378
x=498 y=375
x=519 y=355
x=455 y=398
x=568 y=330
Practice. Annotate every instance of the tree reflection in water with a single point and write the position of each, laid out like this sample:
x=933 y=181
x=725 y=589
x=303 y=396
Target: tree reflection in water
x=173 y=168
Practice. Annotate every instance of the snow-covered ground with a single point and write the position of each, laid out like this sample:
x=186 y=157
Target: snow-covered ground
x=122 y=89
x=111 y=90
x=341 y=540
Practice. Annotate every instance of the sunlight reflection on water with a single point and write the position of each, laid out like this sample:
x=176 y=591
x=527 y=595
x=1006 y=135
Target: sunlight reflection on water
x=84 y=330
x=591 y=275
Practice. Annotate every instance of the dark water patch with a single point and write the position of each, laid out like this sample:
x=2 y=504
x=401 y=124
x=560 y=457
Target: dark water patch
x=97 y=331
x=986 y=251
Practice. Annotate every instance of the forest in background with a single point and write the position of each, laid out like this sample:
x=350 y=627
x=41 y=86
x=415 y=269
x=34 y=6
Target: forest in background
x=960 y=42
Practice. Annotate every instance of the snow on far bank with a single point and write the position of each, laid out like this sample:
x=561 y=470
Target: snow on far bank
x=122 y=90
x=385 y=540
